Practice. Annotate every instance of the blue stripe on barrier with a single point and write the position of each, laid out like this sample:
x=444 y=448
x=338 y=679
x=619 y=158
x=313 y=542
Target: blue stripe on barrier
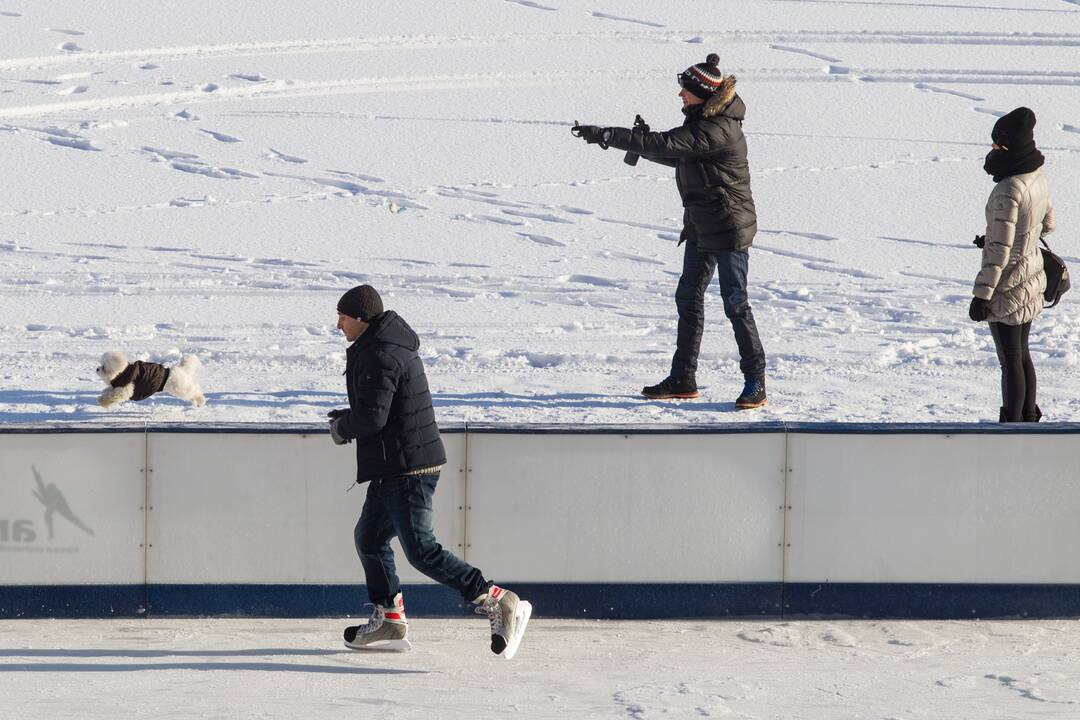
x=570 y=600
x=72 y=601
x=291 y=600
x=944 y=601
x=633 y=601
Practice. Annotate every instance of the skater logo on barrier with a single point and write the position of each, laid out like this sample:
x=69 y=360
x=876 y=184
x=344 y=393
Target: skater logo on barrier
x=22 y=533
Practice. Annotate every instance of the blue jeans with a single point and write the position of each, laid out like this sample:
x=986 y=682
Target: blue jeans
x=731 y=268
x=401 y=507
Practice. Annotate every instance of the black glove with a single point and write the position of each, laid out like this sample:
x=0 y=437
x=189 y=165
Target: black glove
x=591 y=134
x=979 y=241
x=335 y=435
x=335 y=414
x=979 y=309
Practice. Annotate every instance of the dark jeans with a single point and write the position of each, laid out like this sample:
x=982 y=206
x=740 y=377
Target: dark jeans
x=401 y=507
x=730 y=268
x=1017 y=370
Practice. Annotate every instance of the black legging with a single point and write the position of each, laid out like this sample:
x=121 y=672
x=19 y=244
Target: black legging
x=1017 y=371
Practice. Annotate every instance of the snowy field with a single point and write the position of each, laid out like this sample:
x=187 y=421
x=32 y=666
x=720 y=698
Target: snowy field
x=208 y=177
x=565 y=669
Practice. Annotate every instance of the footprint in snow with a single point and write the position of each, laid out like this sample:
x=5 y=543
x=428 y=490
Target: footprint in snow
x=575 y=210
x=531 y=4
x=11 y=14
x=222 y=137
x=182 y=202
x=186 y=115
x=358 y=176
x=542 y=240
x=218 y=173
x=945 y=91
x=69 y=47
x=62 y=31
x=606 y=16
x=148 y=66
x=611 y=255
x=166 y=154
x=545 y=217
x=210 y=87
x=278 y=155
x=67 y=139
x=491 y=219
x=250 y=77
x=74 y=90
x=591 y=280
x=808 y=53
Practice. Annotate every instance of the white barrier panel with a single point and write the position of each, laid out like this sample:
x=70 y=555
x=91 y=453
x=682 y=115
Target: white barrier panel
x=71 y=509
x=271 y=508
x=627 y=508
x=933 y=508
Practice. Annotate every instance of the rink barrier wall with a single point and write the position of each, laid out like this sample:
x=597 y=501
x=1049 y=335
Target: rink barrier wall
x=748 y=520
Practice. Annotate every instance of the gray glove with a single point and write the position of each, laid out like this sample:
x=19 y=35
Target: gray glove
x=335 y=435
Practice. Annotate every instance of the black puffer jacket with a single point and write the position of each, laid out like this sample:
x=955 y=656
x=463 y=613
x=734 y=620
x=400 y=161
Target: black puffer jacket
x=390 y=414
x=712 y=172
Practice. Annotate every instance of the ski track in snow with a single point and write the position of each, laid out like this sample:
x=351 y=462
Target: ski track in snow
x=548 y=275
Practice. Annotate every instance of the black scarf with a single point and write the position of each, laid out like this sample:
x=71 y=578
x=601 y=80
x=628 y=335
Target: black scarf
x=1005 y=163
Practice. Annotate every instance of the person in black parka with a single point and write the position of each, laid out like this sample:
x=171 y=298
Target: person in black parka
x=712 y=173
x=400 y=453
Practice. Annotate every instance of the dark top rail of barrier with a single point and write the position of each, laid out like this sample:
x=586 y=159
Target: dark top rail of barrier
x=810 y=428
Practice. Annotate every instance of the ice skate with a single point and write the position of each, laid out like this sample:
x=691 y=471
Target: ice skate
x=386 y=630
x=508 y=616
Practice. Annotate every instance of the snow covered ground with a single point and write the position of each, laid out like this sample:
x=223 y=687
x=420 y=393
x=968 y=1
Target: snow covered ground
x=565 y=669
x=208 y=177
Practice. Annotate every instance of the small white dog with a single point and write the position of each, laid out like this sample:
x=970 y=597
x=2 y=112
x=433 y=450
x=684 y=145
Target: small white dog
x=139 y=380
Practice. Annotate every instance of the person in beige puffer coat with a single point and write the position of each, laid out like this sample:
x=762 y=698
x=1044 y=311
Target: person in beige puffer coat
x=1009 y=287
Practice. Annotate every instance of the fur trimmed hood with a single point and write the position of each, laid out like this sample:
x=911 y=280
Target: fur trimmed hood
x=725 y=102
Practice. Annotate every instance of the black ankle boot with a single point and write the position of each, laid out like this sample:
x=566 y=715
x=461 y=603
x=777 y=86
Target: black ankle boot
x=1034 y=418
x=1002 y=417
x=671 y=388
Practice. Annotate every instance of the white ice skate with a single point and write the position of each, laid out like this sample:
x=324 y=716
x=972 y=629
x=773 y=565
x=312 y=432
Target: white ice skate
x=387 y=630
x=508 y=615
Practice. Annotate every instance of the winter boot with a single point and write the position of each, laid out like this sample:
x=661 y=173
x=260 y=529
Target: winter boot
x=1036 y=417
x=386 y=630
x=671 y=388
x=508 y=616
x=1002 y=417
x=753 y=395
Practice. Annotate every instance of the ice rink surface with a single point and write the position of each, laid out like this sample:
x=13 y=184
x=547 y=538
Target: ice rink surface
x=259 y=668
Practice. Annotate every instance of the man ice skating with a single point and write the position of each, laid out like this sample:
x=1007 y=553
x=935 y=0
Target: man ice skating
x=400 y=454
x=719 y=220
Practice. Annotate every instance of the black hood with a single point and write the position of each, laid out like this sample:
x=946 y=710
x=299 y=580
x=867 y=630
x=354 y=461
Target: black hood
x=736 y=109
x=387 y=327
